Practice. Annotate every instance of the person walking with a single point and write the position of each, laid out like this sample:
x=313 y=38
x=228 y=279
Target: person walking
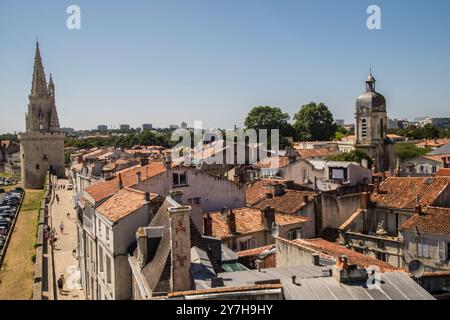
x=61 y=282
x=61 y=227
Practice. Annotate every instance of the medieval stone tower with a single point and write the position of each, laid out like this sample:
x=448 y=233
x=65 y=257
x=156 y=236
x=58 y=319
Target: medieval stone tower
x=371 y=126
x=42 y=145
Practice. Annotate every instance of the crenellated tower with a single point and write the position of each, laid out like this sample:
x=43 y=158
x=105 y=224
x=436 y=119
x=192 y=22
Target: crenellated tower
x=42 y=144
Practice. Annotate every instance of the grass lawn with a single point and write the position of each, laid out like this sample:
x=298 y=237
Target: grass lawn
x=17 y=270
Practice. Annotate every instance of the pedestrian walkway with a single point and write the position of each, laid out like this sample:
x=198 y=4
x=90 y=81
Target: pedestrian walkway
x=64 y=256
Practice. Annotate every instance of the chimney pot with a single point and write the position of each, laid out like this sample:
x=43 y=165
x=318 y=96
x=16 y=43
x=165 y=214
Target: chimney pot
x=138 y=177
x=119 y=182
x=207 y=223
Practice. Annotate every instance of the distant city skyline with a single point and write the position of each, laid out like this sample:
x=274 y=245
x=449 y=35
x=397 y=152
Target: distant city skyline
x=168 y=62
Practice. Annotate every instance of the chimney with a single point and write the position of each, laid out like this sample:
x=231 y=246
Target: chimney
x=232 y=221
x=180 y=245
x=176 y=195
x=119 y=182
x=143 y=161
x=147 y=196
x=276 y=189
x=207 y=223
x=138 y=177
x=418 y=208
x=167 y=161
x=365 y=198
x=268 y=217
x=342 y=263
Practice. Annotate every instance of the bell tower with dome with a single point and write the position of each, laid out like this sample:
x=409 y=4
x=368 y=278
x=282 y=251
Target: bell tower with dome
x=371 y=126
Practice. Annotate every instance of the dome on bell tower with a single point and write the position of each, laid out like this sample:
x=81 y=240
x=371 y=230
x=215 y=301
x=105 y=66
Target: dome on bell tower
x=371 y=99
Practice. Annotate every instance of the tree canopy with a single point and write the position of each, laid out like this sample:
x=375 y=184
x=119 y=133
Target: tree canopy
x=314 y=122
x=353 y=156
x=407 y=150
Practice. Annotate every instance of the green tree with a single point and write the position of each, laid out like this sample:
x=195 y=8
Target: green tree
x=314 y=122
x=353 y=156
x=407 y=150
x=267 y=117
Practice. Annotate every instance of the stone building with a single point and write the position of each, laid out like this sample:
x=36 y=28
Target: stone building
x=371 y=126
x=42 y=145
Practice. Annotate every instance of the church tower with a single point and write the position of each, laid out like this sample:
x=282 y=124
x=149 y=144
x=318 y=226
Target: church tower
x=371 y=126
x=42 y=144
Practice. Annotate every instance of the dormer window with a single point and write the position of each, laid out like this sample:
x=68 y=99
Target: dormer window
x=179 y=179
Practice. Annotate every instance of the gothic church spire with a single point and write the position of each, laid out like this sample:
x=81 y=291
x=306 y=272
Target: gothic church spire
x=39 y=84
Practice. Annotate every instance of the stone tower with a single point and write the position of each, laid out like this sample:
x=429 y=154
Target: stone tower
x=371 y=126
x=42 y=144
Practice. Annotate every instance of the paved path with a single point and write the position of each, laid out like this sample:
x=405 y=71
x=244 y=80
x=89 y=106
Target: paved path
x=65 y=261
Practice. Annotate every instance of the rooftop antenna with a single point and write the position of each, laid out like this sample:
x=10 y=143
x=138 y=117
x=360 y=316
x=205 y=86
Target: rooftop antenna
x=416 y=268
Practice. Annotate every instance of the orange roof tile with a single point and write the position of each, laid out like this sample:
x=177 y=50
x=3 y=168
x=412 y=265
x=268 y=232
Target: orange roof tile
x=312 y=153
x=249 y=220
x=435 y=220
x=290 y=202
x=255 y=251
x=433 y=142
x=104 y=189
x=123 y=203
x=443 y=172
x=258 y=190
x=401 y=192
x=273 y=162
x=335 y=250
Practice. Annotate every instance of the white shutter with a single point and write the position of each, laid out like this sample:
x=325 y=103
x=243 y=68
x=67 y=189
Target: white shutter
x=442 y=250
x=420 y=249
x=426 y=248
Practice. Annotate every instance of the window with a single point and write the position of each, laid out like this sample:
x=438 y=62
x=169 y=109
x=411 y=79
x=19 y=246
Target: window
x=247 y=244
x=179 y=179
x=37 y=167
x=100 y=256
x=433 y=169
x=108 y=269
x=422 y=169
x=424 y=248
x=295 y=234
x=381 y=128
x=194 y=201
x=442 y=251
x=107 y=234
x=364 y=128
x=381 y=256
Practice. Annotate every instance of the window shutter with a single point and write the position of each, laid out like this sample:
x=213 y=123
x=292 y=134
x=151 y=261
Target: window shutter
x=442 y=251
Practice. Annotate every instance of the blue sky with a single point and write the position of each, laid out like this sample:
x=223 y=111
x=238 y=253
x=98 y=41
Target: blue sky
x=164 y=62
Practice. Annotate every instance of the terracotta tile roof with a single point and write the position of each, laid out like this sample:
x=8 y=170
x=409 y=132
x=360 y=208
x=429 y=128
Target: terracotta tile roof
x=290 y=202
x=435 y=220
x=255 y=251
x=123 y=203
x=258 y=190
x=104 y=189
x=249 y=220
x=437 y=158
x=335 y=250
x=443 y=172
x=273 y=162
x=313 y=153
x=401 y=192
x=226 y=289
x=433 y=143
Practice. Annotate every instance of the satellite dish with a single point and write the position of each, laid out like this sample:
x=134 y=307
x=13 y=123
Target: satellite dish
x=274 y=230
x=416 y=268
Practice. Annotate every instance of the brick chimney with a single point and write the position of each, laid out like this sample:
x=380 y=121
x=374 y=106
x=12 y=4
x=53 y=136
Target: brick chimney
x=180 y=245
x=207 y=224
x=365 y=199
x=138 y=177
x=231 y=218
x=418 y=208
x=268 y=216
x=119 y=182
